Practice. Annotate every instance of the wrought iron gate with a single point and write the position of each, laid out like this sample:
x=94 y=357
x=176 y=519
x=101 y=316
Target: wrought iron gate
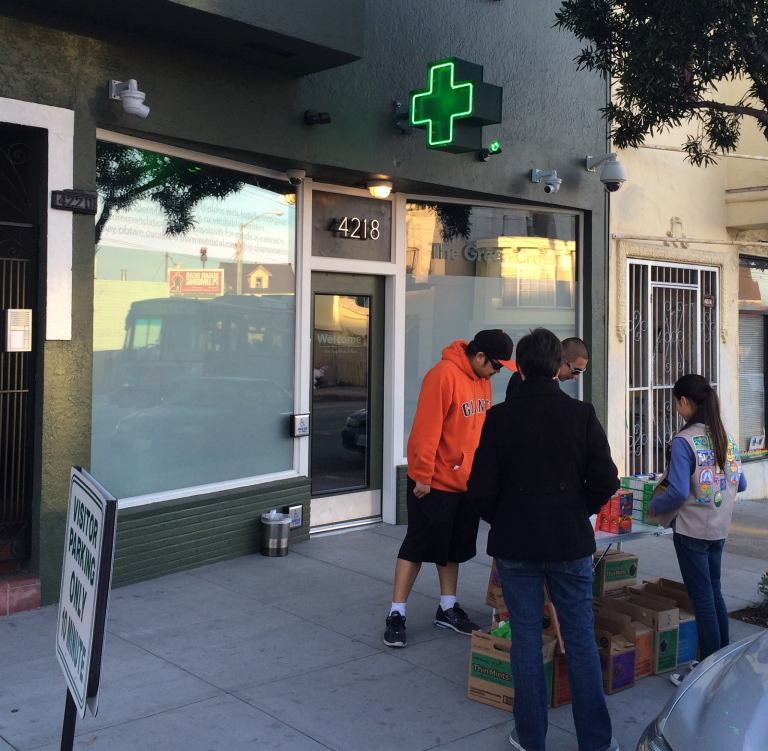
x=19 y=222
x=672 y=330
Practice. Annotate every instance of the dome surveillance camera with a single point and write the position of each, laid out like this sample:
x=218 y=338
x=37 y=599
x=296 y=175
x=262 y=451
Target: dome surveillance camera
x=612 y=175
x=550 y=179
x=130 y=97
x=295 y=176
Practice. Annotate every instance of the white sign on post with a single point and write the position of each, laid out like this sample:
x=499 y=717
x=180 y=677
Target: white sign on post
x=85 y=580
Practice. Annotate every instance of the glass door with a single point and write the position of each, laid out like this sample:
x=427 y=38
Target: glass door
x=347 y=376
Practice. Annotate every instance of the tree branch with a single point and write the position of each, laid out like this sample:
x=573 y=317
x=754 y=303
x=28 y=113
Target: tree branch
x=760 y=115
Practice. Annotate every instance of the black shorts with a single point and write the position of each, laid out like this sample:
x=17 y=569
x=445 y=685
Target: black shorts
x=442 y=528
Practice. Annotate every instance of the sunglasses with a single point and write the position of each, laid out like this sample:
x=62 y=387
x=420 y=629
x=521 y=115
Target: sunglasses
x=495 y=364
x=575 y=371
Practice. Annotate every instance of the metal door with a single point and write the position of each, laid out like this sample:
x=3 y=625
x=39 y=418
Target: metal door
x=21 y=154
x=672 y=330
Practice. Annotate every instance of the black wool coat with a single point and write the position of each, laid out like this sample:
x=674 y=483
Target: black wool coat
x=542 y=467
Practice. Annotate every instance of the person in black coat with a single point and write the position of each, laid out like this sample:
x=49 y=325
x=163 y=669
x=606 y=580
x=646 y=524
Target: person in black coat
x=542 y=468
x=575 y=360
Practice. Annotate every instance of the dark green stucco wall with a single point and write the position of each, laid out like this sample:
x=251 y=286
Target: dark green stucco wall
x=227 y=107
x=178 y=535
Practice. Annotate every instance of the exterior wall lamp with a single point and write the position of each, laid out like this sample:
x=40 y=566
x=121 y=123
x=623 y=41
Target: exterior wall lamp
x=380 y=188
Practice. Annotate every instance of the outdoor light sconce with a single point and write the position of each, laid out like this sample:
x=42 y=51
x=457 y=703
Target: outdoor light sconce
x=312 y=117
x=492 y=149
x=550 y=179
x=612 y=175
x=379 y=188
x=127 y=92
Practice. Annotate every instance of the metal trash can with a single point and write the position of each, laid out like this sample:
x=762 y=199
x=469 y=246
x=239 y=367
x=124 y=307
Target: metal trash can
x=275 y=529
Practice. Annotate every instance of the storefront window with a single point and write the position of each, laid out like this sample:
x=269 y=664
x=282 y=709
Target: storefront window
x=471 y=268
x=753 y=309
x=193 y=325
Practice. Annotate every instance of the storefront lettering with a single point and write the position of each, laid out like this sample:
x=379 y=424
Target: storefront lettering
x=339 y=339
x=470 y=252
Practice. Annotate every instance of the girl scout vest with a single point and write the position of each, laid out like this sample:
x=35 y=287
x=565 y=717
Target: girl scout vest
x=706 y=513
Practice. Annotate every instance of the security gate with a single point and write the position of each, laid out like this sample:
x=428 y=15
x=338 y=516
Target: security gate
x=20 y=205
x=672 y=328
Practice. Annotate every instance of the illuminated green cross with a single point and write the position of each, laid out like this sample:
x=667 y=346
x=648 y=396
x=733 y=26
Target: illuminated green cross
x=455 y=105
x=441 y=103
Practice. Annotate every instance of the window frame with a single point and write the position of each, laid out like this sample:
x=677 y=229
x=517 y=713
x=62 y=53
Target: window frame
x=217 y=161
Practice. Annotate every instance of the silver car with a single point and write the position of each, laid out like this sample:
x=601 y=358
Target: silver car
x=721 y=706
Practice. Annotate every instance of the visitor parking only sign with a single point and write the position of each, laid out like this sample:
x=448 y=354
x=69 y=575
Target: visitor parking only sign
x=85 y=581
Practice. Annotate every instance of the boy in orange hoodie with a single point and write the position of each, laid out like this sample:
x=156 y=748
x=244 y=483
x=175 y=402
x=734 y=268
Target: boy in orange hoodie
x=442 y=527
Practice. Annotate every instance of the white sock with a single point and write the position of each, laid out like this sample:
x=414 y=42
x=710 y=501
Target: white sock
x=399 y=607
x=447 y=601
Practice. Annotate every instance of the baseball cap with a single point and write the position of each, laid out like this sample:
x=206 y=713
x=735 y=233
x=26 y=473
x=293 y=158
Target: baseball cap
x=494 y=343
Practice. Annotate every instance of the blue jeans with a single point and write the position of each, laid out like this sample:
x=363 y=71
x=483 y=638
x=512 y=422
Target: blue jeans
x=700 y=566
x=570 y=585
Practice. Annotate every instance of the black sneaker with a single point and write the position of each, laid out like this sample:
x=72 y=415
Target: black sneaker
x=394 y=634
x=456 y=619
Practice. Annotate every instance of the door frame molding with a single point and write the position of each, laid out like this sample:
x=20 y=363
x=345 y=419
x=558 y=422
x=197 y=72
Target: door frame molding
x=394 y=329
x=57 y=245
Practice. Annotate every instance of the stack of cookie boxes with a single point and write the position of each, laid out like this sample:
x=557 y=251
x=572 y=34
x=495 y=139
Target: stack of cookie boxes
x=642 y=487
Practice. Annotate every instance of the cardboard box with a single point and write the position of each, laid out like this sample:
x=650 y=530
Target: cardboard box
x=495 y=598
x=490 y=674
x=614 y=572
x=493 y=595
x=561 y=689
x=639 y=634
x=663 y=622
x=688 y=637
x=617 y=660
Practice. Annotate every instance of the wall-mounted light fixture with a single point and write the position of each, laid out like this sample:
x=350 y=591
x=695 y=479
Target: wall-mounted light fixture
x=493 y=148
x=380 y=188
x=612 y=175
x=312 y=117
x=550 y=179
x=127 y=92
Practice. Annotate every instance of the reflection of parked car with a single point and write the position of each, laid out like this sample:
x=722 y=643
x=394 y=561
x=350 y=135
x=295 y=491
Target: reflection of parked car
x=354 y=434
x=207 y=418
x=721 y=706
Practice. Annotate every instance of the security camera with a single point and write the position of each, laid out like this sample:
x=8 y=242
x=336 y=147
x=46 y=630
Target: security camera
x=612 y=175
x=550 y=179
x=295 y=176
x=130 y=97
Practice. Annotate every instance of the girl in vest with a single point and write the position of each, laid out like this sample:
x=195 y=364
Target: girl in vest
x=695 y=497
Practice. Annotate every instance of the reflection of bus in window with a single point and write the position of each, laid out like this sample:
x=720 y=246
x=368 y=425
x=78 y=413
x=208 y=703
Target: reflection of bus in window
x=168 y=340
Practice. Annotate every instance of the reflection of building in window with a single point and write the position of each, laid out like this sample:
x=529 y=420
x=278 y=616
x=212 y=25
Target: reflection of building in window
x=260 y=278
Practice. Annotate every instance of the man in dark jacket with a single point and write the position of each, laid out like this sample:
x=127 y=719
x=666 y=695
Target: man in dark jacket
x=542 y=468
x=575 y=359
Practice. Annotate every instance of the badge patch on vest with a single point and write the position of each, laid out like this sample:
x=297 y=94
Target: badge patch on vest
x=705 y=458
x=718 y=499
x=700 y=441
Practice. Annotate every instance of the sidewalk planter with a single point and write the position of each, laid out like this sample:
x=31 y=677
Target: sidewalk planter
x=275 y=532
x=490 y=674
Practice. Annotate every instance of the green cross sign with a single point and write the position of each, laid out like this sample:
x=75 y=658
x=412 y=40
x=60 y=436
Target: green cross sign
x=455 y=105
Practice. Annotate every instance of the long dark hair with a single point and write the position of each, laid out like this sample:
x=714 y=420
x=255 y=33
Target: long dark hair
x=696 y=388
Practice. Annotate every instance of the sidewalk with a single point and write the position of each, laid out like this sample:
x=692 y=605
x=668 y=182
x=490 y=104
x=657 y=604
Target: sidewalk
x=286 y=653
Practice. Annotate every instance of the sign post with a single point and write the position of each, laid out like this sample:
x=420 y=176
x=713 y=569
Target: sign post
x=86 y=576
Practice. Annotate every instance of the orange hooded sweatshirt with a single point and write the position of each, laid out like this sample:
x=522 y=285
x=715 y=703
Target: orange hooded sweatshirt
x=448 y=420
